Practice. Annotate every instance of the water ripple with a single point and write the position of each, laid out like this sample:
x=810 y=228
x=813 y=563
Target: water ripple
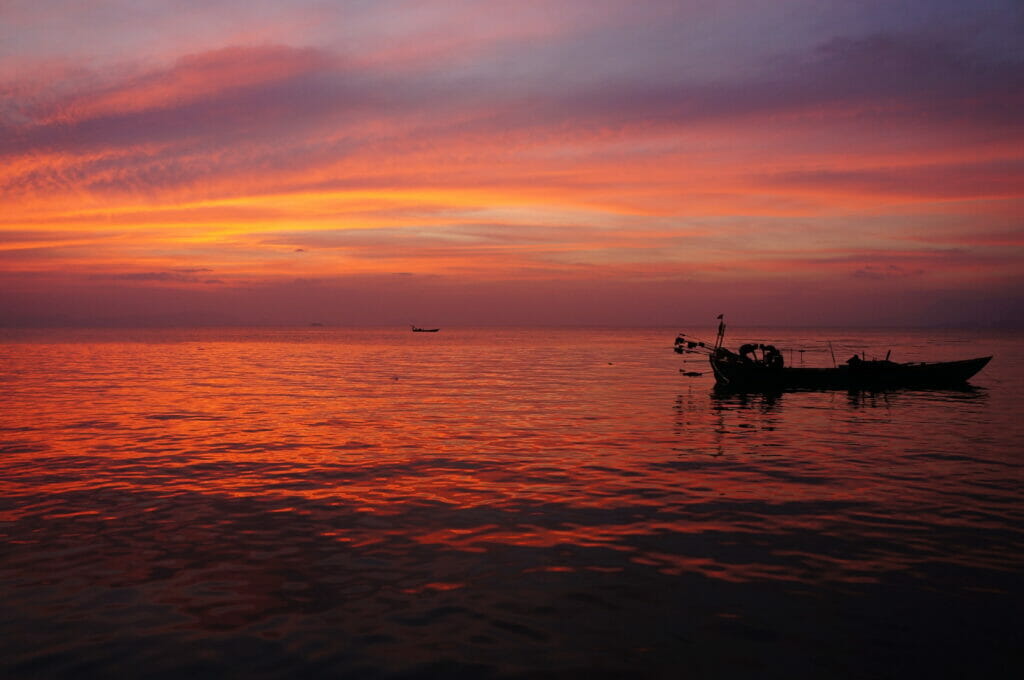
x=494 y=503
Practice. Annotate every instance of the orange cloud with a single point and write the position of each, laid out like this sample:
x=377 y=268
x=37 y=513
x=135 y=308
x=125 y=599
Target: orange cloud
x=519 y=152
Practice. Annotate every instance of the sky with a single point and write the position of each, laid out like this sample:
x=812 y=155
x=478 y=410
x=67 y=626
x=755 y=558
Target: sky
x=472 y=162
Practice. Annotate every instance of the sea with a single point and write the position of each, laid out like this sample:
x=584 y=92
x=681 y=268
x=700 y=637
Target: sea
x=501 y=503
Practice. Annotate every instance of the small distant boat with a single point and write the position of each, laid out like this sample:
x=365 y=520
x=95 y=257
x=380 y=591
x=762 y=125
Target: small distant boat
x=417 y=329
x=760 y=367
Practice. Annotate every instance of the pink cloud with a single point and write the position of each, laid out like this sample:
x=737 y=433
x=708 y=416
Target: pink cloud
x=193 y=77
x=523 y=145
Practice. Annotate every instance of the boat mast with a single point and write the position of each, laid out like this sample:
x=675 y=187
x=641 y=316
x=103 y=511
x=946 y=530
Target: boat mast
x=721 y=331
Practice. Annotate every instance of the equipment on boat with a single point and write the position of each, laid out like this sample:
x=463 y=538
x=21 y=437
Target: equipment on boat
x=759 y=367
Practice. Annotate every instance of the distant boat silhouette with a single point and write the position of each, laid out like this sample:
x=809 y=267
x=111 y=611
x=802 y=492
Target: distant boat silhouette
x=760 y=367
x=417 y=329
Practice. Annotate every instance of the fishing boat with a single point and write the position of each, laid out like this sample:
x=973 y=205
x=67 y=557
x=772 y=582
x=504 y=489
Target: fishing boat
x=417 y=329
x=760 y=367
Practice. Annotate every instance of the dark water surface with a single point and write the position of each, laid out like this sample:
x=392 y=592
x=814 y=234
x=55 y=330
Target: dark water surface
x=499 y=503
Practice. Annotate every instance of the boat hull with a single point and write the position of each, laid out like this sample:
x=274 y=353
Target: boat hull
x=749 y=376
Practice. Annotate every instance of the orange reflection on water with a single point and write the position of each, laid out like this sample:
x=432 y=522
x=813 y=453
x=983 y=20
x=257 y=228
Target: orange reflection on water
x=484 y=441
x=382 y=498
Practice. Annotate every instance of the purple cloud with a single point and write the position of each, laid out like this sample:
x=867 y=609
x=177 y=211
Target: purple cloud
x=160 y=277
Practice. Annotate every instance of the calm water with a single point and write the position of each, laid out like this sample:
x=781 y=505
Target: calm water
x=499 y=503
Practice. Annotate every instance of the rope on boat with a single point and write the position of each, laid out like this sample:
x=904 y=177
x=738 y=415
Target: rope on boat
x=686 y=344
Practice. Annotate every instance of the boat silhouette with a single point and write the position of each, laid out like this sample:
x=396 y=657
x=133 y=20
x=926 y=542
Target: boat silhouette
x=757 y=367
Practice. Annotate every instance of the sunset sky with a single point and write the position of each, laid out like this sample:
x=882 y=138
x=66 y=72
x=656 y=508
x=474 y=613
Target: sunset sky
x=617 y=162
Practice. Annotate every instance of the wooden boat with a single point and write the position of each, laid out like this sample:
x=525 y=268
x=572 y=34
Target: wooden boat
x=736 y=372
x=417 y=329
x=759 y=367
